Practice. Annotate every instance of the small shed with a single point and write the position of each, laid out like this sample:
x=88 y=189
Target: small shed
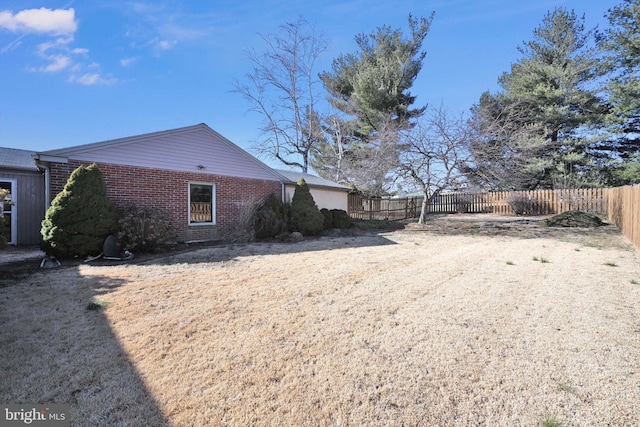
x=25 y=206
x=327 y=194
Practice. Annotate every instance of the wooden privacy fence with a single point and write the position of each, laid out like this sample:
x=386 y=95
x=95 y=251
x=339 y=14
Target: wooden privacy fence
x=538 y=202
x=620 y=204
x=383 y=208
x=624 y=211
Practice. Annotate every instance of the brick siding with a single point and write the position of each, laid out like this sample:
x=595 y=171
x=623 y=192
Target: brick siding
x=169 y=190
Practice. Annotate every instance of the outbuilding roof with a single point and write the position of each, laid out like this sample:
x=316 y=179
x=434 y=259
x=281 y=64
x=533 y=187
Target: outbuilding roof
x=311 y=180
x=14 y=158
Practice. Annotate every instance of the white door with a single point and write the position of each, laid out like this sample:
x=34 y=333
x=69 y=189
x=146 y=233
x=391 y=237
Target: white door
x=10 y=219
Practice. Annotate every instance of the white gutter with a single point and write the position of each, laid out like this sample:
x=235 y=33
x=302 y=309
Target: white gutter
x=47 y=181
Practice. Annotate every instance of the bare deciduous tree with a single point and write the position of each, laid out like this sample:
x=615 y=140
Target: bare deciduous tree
x=434 y=155
x=282 y=87
x=329 y=157
x=369 y=166
x=507 y=150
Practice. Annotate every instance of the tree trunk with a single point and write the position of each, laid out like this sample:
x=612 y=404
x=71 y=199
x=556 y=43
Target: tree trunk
x=423 y=210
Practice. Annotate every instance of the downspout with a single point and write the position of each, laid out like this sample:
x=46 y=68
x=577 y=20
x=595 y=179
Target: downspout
x=282 y=196
x=47 y=190
x=47 y=180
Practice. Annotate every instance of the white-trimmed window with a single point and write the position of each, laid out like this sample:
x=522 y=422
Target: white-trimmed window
x=202 y=203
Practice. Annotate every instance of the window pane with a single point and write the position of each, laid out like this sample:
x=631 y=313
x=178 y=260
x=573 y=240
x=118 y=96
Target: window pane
x=201 y=203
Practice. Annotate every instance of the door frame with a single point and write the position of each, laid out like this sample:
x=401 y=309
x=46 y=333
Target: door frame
x=14 y=209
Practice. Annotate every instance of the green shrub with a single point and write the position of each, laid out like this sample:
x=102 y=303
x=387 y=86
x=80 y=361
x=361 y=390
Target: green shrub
x=144 y=229
x=340 y=219
x=305 y=216
x=328 y=218
x=80 y=217
x=271 y=217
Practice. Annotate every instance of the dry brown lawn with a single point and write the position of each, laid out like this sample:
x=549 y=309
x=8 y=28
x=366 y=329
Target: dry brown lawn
x=455 y=324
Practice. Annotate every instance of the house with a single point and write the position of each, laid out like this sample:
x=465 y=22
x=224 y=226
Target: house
x=195 y=173
x=25 y=204
x=326 y=194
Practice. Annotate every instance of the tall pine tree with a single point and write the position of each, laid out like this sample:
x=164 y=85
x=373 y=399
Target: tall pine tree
x=552 y=90
x=621 y=47
x=370 y=90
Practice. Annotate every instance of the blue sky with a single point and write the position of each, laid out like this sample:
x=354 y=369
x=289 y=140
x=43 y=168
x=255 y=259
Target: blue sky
x=76 y=72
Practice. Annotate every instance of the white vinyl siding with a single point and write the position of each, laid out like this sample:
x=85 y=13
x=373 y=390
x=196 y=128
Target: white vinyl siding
x=193 y=149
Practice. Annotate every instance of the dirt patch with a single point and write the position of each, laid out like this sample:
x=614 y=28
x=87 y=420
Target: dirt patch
x=437 y=326
x=574 y=219
x=533 y=227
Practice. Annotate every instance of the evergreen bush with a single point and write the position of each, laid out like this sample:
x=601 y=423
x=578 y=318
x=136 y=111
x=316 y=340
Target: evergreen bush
x=271 y=217
x=340 y=219
x=80 y=217
x=328 y=218
x=305 y=215
x=144 y=229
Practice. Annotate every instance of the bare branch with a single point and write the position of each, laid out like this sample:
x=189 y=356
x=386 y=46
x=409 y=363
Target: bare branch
x=435 y=153
x=281 y=87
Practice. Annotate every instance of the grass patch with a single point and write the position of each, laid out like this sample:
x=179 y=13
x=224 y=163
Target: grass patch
x=510 y=263
x=98 y=305
x=541 y=260
x=594 y=245
x=634 y=282
x=550 y=422
x=611 y=264
x=240 y=334
x=566 y=387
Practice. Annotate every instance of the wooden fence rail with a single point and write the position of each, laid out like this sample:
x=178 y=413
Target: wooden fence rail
x=620 y=204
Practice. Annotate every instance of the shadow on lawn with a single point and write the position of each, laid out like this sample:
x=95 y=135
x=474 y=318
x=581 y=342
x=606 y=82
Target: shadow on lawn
x=221 y=252
x=57 y=346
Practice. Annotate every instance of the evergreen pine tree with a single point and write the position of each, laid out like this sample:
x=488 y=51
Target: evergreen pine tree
x=621 y=46
x=305 y=215
x=80 y=217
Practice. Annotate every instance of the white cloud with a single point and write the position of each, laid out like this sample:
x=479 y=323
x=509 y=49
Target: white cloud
x=58 y=26
x=92 y=79
x=42 y=21
x=59 y=59
x=58 y=63
x=161 y=26
x=13 y=45
x=166 y=44
x=125 y=62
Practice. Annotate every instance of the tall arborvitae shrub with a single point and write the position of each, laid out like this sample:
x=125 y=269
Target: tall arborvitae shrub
x=305 y=215
x=80 y=217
